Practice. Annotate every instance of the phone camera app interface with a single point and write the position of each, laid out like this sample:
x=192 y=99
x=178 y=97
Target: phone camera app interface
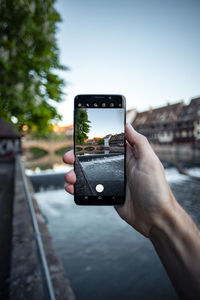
x=99 y=147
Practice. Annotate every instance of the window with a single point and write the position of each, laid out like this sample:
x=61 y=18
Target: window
x=184 y=133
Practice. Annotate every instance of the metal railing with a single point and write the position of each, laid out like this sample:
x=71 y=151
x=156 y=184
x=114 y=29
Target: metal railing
x=48 y=287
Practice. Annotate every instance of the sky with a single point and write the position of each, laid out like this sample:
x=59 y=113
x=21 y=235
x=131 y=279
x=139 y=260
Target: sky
x=105 y=121
x=147 y=50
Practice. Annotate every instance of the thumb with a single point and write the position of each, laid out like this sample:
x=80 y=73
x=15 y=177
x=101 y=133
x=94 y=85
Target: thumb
x=136 y=139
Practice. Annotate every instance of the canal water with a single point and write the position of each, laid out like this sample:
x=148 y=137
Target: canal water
x=107 y=171
x=104 y=258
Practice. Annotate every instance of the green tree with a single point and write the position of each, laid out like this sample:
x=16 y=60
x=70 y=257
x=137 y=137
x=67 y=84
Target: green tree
x=29 y=57
x=82 y=126
x=101 y=142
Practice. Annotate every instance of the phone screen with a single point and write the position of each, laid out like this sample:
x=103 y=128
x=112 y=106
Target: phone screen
x=99 y=149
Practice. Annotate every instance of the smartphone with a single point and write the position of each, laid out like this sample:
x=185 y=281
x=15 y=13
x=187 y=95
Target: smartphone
x=99 y=148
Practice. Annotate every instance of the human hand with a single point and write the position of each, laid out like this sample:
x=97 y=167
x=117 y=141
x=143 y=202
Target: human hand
x=148 y=196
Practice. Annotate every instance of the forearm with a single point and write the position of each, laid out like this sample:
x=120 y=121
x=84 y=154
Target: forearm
x=177 y=242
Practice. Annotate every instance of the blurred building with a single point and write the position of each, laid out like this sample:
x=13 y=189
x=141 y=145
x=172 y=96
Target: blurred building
x=187 y=127
x=171 y=124
x=67 y=130
x=116 y=140
x=158 y=124
x=93 y=141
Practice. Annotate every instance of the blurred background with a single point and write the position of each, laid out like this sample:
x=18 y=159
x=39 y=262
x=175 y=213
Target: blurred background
x=51 y=51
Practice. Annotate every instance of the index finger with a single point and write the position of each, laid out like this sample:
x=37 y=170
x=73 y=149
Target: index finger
x=69 y=157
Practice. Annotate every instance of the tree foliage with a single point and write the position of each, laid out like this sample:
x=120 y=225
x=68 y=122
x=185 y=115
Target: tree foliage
x=29 y=57
x=82 y=126
x=101 y=142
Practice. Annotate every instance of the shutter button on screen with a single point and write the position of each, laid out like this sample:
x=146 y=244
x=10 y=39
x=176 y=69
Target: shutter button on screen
x=99 y=188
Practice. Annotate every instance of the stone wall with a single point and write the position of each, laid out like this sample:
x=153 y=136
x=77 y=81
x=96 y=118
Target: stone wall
x=26 y=280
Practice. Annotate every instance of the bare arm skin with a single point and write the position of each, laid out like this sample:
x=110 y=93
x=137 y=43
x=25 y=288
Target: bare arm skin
x=177 y=243
x=151 y=209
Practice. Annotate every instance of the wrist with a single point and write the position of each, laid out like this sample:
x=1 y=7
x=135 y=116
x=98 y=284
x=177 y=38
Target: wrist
x=167 y=221
x=174 y=225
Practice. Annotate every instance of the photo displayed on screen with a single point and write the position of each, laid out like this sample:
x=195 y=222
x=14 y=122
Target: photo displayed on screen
x=99 y=147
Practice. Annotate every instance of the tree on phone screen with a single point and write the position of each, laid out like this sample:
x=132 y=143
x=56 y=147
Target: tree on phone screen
x=82 y=126
x=101 y=142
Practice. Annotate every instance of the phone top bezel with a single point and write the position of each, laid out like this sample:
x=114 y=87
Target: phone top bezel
x=106 y=200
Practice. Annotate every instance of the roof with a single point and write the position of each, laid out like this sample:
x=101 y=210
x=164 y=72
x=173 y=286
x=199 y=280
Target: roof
x=195 y=101
x=92 y=139
x=116 y=137
x=70 y=126
x=190 y=112
x=168 y=113
x=7 y=130
x=57 y=128
x=107 y=136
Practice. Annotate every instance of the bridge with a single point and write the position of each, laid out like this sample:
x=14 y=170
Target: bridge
x=50 y=146
x=90 y=148
x=97 y=148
